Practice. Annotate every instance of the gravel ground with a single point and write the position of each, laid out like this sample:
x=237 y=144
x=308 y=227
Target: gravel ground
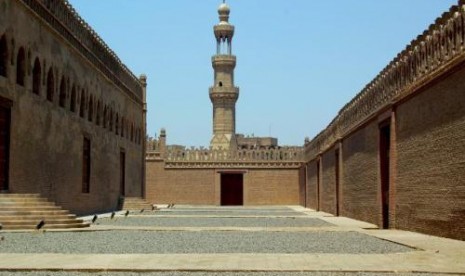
x=214 y=274
x=131 y=242
x=216 y=222
x=225 y=213
x=228 y=208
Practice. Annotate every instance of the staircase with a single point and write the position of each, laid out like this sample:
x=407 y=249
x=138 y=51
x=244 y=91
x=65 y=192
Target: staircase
x=25 y=211
x=136 y=203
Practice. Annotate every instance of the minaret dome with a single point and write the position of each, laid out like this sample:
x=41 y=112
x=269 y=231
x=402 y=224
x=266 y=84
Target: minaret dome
x=224 y=11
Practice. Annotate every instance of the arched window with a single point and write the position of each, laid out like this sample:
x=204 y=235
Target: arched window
x=63 y=92
x=132 y=132
x=105 y=111
x=20 y=66
x=117 y=124
x=99 y=111
x=91 y=109
x=3 y=56
x=122 y=126
x=72 y=106
x=111 y=120
x=36 y=77
x=50 y=85
x=82 y=105
x=137 y=135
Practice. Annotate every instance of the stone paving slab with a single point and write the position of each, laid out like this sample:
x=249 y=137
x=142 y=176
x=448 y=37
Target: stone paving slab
x=348 y=222
x=181 y=273
x=227 y=213
x=216 y=222
x=405 y=262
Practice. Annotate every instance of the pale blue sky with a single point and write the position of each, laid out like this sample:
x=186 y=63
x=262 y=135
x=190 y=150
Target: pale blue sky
x=299 y=61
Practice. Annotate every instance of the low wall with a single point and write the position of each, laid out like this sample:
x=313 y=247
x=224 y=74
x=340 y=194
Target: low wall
x=202 y=186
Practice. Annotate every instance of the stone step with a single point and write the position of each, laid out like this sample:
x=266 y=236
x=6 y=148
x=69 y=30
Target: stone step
x=36 y=221
x=22 y=199
x=135 y=203
x=9 y=204
x=38 y=217
x=2 y=195
x=16 y=208
x=47 y=226
x=25 y=211
x=32 y=212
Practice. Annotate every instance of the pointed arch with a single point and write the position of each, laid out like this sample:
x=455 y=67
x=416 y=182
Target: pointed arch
x=82 y=105
x=111 y=119
x=63 y=92
x=117 y=124
x=105 y=116
x=3 y=56
x=99 y=113
x=50 y=85
x=20 y=66
x=36 y=77
x=90 y=114
x=72 y=106
x=122 y=126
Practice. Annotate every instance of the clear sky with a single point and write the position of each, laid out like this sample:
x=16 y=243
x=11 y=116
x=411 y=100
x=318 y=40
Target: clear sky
x=298 y=61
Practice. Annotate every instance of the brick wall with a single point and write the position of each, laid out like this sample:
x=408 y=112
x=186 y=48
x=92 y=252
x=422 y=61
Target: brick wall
x=202 y=186
x=179 y=186
x=272 y=187
x=328 y=183
x=431 y=152
x=312 y=185
x=360 y=175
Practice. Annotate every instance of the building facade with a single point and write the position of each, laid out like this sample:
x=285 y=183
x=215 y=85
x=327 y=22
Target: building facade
x=395 y=154
x=235 y=170
x=72 y=115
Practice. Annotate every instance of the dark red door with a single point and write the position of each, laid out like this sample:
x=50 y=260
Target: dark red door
x=384 y=149
x=232 y=189
x=4 y=146
x=122 y=172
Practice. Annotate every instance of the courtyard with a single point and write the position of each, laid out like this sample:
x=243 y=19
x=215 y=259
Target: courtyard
x=188 y=240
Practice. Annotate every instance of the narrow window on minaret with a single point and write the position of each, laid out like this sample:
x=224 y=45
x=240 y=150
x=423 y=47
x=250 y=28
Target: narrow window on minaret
x=221 y=84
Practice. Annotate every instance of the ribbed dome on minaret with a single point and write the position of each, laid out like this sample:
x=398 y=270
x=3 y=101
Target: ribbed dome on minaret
x=224 y=11
x=223 y=93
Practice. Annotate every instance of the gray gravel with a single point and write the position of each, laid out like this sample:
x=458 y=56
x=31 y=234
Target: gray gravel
x=49 y=273
x=225 y=213
x=132 y=242
x=216 y=222
x=229 y=208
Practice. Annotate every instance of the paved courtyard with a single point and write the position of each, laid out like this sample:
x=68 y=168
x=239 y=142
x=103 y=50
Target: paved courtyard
x=256 y=241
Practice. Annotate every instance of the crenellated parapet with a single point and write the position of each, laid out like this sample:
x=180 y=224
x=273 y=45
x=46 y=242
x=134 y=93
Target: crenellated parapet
x=436 y=50
x=208 y=158
x=64 y=19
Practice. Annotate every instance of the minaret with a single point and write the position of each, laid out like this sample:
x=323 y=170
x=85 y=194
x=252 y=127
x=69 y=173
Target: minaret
x=223 y=93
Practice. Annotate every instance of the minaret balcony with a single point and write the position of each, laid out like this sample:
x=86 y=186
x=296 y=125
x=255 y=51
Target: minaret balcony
x=218 y=92
x=224 y=61
x=224 y=30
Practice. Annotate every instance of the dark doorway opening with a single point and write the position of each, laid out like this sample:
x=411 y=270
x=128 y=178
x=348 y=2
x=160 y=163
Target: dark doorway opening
x=384 y=152
x=232 y=189
x=86 y=149
x=318 y=185
x=122 y=172
x=336 y=168
x=4 y=147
